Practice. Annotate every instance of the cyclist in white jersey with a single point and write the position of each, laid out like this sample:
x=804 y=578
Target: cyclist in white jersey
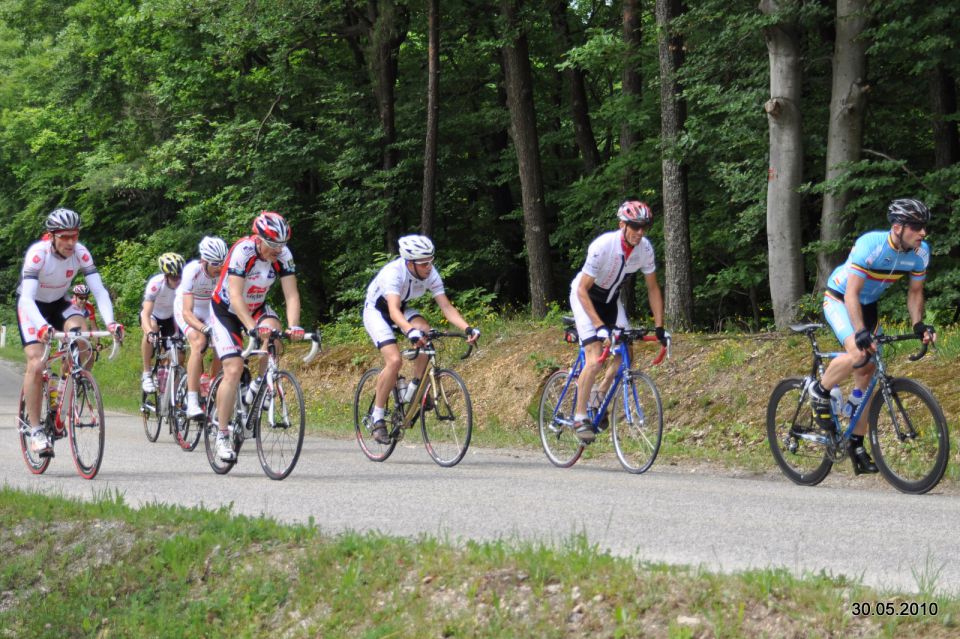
x=49 y=268
x=253 y=264
x=385 y=309
x=595 y=298
x=878 y=259
x=191 y=310
x=156 y=312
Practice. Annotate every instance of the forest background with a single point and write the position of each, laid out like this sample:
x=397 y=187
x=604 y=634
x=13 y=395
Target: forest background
x=767 y=138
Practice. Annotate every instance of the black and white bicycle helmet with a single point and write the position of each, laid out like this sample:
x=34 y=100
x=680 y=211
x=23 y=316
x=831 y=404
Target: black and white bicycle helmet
x=415 y=247
x=63 y=219
x=213 y=250
x=171 y=264
x=908 y=211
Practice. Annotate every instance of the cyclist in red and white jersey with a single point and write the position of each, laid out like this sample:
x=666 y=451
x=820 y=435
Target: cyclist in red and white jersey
x=49 y=268
x=253 y=264
x=81 y=302
x=406 y=278
x=191 y=310
x=156 y=312
x=595 y=297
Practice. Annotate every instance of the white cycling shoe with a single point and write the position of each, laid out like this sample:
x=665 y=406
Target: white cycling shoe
x=146 y=383
x=225 y=448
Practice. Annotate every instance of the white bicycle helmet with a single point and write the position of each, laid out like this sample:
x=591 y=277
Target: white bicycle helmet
x=908 y=211
x=63 y=219
x=213 y=250
x=415 y=247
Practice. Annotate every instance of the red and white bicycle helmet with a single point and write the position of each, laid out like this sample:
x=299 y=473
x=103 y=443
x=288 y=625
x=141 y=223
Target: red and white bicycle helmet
x=81 y=290
x=63 y=220
x=272 y=227
x=635 y=211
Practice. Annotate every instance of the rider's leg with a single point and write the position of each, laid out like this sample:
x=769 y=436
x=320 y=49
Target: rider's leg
x=86 y=352
x=420 y=364
x=198 y=342
x=32 y=379
x=227 y=391
x=591 y=367
x=387 y=378
x=146 y=354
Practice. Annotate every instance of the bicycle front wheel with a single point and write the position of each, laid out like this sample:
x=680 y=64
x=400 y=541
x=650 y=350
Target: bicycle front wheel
x=363 y=400
x=85 y=420
x=281 y=423
x=446 y=418
x=791 y=432
x=35 y=463
x=557 y=403
x=187 y=431
x=150 y=410
x=637 y=423
x=211 y=428
x=909 y=436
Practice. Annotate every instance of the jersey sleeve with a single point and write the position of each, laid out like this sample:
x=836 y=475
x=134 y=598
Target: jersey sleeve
x=594 y=259
x=152 y=290
x=284 y=264
x=435 y=283
x=919 y=271
x=391 y=280
x=33 y=262
x=87 y=267
x=648 y=263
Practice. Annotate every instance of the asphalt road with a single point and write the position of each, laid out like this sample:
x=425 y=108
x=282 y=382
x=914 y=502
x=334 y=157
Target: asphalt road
x=671 y=514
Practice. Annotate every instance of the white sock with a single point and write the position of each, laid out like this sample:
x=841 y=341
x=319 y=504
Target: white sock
x=192 y=398
x=377 y=413
x=579 y=417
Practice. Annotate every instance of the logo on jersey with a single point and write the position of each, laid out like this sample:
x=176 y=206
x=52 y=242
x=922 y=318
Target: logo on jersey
x=70 y=273
x=85 y=257
x=36 y=259
x=257 y=290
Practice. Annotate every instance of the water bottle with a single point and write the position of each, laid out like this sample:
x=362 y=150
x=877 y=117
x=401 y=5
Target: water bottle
x=161 y=379
x=204 y=385
x=53 y=389
x=251 y=393
x=836 y=399
x=411 y=390
x=856 y=397
x=402 y=387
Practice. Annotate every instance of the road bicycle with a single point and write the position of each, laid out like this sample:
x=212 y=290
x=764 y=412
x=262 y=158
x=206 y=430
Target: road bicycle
x=166 y=404
x=441 y=402
x=275 y=418
x=70 y=404
x=631 y=405
x=908 y=430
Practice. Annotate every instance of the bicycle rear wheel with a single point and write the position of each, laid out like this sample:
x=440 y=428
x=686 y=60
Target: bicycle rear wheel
x=790 y=429
x=281 y=423
x=86 y=424
x=35 y=463
x=362 y=423
x=562 y=447
x=637 y=423
x=446 y=418
x=150 y=410
x=211 y=428
x=186 y=430
x=909 y=437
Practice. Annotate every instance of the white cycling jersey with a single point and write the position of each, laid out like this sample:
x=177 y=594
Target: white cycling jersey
x=608 y=265
x=196 y=282
x=258 y=275
x=158 y=292
x=47 y=276
x=396 y=279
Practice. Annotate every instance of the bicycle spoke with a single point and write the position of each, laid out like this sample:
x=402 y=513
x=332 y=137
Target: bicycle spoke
x=557 y=403
x=637 y=418
x=789 y=423
x=448 y=425
x=281 y=426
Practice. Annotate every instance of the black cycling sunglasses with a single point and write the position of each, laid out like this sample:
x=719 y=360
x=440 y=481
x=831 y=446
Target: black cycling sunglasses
x=638 y=226
x=916 y=227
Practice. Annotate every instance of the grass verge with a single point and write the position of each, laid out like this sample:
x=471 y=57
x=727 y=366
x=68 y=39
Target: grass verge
x=102 y=569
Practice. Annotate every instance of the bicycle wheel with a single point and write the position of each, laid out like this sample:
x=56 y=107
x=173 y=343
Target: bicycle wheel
x=636 y=419
x=187 y=431
x=790 y=429
x=909 y=437
x=560 y=443
x=363 y=425
x=35 y=463
x=281 y=423
x=150 y=410
x=211 y=428
x=86 y=424
x=447 y=425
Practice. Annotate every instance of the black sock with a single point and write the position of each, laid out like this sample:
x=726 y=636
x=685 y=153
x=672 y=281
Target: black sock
x=820 y=390
x=856 y=441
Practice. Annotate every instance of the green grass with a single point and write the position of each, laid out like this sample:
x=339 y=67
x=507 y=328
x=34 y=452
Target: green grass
x=102 y=569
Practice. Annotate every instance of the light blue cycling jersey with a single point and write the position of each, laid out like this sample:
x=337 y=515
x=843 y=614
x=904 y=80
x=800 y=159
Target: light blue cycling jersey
x=874 y=259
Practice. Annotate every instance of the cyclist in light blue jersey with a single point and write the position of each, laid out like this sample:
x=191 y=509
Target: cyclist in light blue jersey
x=878 y=260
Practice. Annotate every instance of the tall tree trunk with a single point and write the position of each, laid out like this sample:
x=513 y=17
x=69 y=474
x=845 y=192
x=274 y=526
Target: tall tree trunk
x=388 y=30
x=579 y=109
x=943 y=99
x=632 y=83
x=523 y=129
x=845 y=132
x=433 y=118
x=785 y=265
x=676 y=214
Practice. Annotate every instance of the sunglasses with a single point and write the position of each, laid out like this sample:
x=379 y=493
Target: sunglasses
x=68 y=236
x=83 y=298
x=422 y=262
x=276 y=246
x=638 y=226
x=916 y=227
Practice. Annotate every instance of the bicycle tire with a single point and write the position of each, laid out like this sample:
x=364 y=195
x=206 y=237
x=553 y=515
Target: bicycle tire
x=35 y=463
x=447 y=425
x=85 y=422
x=281 y=423
x=363 y=399
x=638 y=435
x=211 y=429
x=911 y=464
x=561 y=445
x=789 y=418
x=187 y=431
x=150 y=411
